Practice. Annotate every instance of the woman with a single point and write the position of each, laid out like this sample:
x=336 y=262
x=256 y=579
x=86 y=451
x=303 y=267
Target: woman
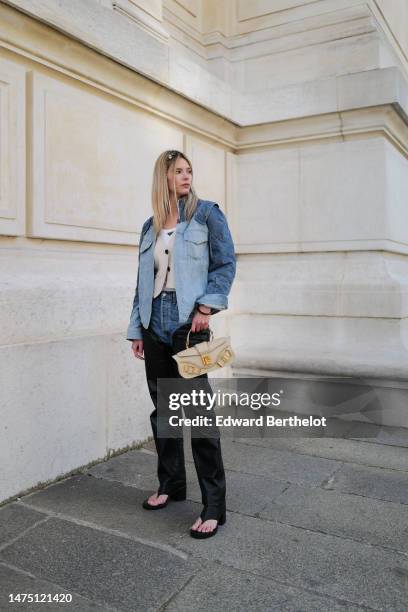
x=186 y=268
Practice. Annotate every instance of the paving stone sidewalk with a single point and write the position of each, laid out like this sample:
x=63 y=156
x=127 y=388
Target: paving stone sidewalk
x=312 y=525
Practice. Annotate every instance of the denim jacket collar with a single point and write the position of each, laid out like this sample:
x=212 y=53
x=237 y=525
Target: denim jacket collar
x=180 y=207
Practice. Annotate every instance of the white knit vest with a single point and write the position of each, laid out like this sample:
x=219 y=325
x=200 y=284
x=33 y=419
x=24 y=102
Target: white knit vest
x=163 y=264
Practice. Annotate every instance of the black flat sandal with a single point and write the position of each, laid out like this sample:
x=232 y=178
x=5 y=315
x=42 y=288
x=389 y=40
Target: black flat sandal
x=201 y=535
x=176 y=496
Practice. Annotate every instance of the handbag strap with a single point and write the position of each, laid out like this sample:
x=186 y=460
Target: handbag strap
x=188 y=338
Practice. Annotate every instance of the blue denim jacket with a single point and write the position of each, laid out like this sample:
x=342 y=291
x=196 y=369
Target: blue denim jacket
x=204 y=265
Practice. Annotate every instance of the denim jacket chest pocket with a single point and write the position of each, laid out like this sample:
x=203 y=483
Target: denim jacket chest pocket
x=196 y=241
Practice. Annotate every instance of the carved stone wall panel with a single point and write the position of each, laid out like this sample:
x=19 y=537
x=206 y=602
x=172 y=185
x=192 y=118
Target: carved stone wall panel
x=396 y=166
x=267 y=201
x=343 y=195
x=307 y=63
x=209 y=170
x=12 y=148
x=88 y=160
x=317 y=198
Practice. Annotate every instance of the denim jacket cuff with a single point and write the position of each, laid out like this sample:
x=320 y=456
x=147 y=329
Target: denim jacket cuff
x=134 y=333
x=217 y=301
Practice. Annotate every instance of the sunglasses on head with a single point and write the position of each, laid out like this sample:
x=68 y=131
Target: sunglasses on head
x=172 y=154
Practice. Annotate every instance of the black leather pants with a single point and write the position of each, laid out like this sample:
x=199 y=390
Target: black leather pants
x=206 y=450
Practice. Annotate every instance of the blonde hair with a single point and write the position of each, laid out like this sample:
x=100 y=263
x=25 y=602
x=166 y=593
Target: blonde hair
x=160 y=189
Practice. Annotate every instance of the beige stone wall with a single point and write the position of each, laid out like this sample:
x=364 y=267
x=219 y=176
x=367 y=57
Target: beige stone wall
x=295 y=117
x=80 y=135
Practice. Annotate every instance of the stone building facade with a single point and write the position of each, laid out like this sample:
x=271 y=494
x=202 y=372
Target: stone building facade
x=295 y=116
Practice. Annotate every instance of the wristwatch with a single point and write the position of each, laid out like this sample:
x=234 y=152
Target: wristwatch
x=200 y=311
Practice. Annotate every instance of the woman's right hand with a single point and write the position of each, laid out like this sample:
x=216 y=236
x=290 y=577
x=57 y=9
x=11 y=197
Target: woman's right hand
x=137 y=348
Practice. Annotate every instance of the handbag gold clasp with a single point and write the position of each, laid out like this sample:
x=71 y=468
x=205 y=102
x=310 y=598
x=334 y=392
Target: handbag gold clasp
x=224 y=358
x=190 y=368
x=206 y=359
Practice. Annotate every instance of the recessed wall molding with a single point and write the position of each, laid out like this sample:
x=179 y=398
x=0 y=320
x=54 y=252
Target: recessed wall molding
x=186 y=13
x=191 y=6
x=250 y=9
x=145 y=20
x=353 y=20
x=12 y=148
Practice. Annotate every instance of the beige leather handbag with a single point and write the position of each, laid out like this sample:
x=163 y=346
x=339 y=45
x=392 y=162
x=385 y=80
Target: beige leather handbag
x=204 y=356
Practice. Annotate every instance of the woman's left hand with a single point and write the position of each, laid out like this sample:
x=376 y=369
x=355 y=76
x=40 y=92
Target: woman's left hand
x=200 y=321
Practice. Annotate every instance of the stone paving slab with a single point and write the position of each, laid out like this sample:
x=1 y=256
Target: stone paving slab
x=380 y=523
x=359 y=573
x=15 y=581
x=246 y=493
x=304 y=532
x=277 y=464
x=113 y=506
x=14 y=519
x=361 y=452
x=224 y=588
x=103 y=567
x=149 y=446
x=377 y=483
x=380 y=434
x=329 y=565
x=130 y=465
x=134 y=468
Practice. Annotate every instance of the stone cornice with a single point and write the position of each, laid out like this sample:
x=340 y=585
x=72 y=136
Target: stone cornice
x=162 y=60
x=368 y=103
x=352 y=21
x=143 y=20
x=345 y=125
x=341 y=93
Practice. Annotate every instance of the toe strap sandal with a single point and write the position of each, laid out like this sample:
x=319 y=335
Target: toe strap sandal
x=179 y=495
x=208 y=514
